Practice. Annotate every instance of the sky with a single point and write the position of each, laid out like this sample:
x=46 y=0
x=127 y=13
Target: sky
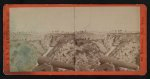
x=70 y=19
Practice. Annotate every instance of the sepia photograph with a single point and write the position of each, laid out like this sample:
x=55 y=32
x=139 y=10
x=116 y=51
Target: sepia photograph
x=75 y=39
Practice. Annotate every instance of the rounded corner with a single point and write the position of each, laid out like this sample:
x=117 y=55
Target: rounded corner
x=143 y=72
x=144 y=6
x=5 y=73
x=5 y=5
